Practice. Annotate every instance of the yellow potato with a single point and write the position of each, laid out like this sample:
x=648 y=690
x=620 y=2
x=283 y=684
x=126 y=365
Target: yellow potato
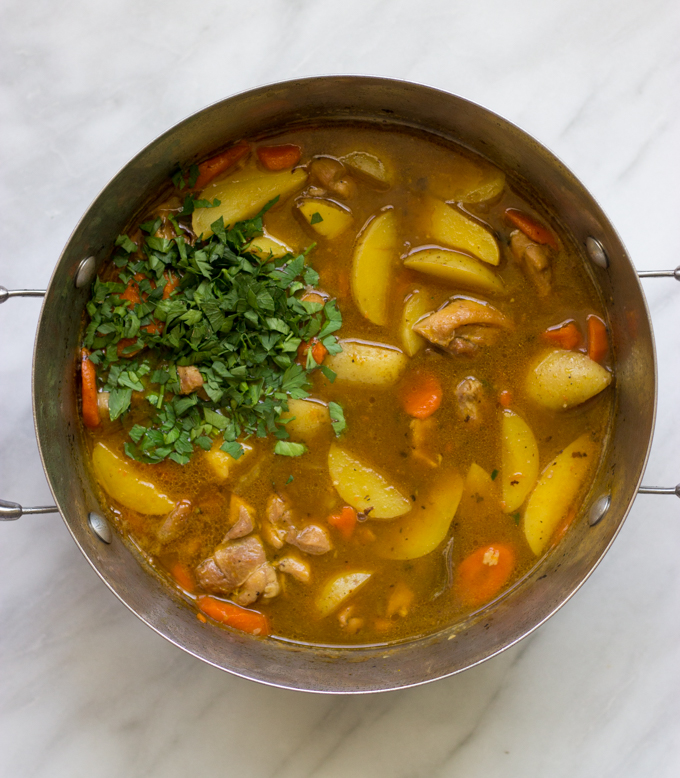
x=455 y=268
x=450 y=227
x=267 y=248
x=519 y=460
x=363 y=363
x=375 y=256
x=370 y=166
x=417 y=305
x=243 y=195
x=310 y=418
x=117 y=477
x=556 y=491
x=562 y=379
x=362 y=487
x=338 y=589
x=467 y=182
x=479 y=493
x=223 y=463
x=427 y=524
x=327 y=219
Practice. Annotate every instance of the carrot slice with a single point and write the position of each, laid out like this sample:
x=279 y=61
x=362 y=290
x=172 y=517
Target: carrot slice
x=279 y=157
x=505 y=398
x=530 y=227
x=567 y=336
x=218 y=164
x=484 y=573
x=253 y=622
x=88 y=374
x=422 y=396
x=183 y=576
x=344 y=522
x=319 y=351
x=598 y=342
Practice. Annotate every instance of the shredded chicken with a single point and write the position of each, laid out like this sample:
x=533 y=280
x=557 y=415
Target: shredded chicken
x=463 y=325
x=190 y=379
x=534 y=259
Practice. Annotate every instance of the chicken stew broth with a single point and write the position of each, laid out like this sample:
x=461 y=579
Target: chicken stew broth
x=364 y=441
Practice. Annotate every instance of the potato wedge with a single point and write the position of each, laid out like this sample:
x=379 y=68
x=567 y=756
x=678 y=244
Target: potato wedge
x=363 y=363
x=369 y=166
x=450 y=227
x=243 y=195
x=375 y=256
x=116 y=475
x=556 y=491
x=417 y=305
x=327 y=219
x=307 y=419
x=467 y=182
x=519 y=460
x=480 y=493
x=362 y=487
x=456 y=268
x=222 y=463
x=563 y=379
x=338 y=589
x=267 y=248
x=427 y=524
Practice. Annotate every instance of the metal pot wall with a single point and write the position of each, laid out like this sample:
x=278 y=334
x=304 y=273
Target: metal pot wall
x=554 y=580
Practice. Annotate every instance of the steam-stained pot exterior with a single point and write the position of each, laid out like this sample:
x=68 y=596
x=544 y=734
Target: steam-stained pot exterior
x=351 y=669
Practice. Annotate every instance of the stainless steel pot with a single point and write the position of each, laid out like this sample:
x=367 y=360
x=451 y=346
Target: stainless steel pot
x=344 y=98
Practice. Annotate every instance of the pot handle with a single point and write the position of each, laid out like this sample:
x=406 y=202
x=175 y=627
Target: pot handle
x=10 y=511
x=660 y=274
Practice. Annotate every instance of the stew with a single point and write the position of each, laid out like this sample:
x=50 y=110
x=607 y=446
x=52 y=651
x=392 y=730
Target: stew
x=344 y=386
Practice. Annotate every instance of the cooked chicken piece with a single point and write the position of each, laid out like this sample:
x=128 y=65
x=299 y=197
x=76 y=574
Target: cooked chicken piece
x=311 y=539
x=245 y=521
x=103 y=404
x=400 y=601
x=534 y=259
x=263 y=582
x=333 y=176
x=350 y=623
x=472 y=401
x=278 y=521
x=463 y=325
x=190 y=379
x=176 y=522
x=296 y=567
x=421 y=433
x=230 y=565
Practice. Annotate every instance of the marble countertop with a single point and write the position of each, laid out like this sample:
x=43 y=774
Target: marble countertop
x=86 y=688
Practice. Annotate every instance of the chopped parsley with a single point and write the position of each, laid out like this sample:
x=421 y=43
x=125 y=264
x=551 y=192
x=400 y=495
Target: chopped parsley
x=316 y=218
x=494 y=475
x=337 y=418
x=237 y=320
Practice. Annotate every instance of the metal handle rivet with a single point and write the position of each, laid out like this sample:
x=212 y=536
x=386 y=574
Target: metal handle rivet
x=100 y=527
x=599 y=508
x=597 y=253
x=85 y=272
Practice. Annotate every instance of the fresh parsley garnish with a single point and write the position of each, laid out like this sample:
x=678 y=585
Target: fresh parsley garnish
x=337 y=418
x=316 y=218
x=237 y=320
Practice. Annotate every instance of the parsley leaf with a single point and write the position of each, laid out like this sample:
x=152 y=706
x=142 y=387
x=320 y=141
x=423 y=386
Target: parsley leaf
x=337 y=418
x=286 y=448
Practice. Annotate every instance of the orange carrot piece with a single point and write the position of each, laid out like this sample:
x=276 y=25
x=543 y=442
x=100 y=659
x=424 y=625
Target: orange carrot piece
x=598 y=342
x=567 y=336
x=88 y=375
x=505 y=398
x=218 y=164
x=183 y=577
x=482 y=575
x=530 y=227
x=344 y=522
x=422 y=396
x=279 y=157
x=319 y=351
x=253 y=622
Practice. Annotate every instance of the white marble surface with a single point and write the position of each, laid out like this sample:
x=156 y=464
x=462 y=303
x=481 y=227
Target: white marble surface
x=85 y=688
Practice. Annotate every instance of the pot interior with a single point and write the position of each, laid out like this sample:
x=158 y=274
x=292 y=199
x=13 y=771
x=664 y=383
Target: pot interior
x=532 y=169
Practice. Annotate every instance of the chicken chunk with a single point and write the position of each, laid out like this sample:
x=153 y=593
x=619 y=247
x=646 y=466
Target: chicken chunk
x=277 y=522
x=332 y=176
x=463 y=325
x=230 y=565
x=295 y=567
x=243 y=517
x=176 y=522
x=263 y=582
x=311 y=539
x=534 y=259
x=471 y=401
x=190 y=379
